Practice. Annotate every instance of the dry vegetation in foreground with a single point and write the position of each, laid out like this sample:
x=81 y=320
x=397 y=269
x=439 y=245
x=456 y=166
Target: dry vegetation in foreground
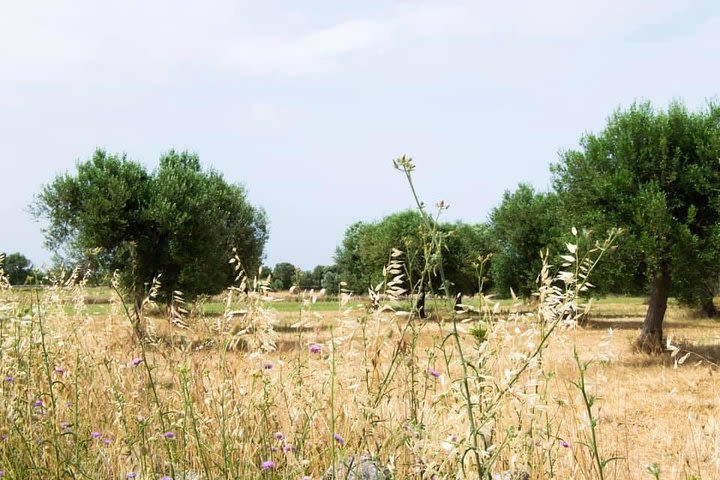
x=304 y=391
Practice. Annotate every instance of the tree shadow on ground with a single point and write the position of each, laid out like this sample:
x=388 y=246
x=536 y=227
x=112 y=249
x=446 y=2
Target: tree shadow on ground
x=708 y=353
x=690 y=353
x=627 y=323
x=300 y=329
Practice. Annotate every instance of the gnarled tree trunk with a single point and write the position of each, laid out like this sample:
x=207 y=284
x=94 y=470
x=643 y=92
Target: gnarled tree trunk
x=708 y=308
x=651 y=337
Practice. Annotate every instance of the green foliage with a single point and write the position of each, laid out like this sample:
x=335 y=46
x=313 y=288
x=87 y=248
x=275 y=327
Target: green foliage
x=277 y=285
x=304 y=279
x=331 y=282
x=348 y=258
x=654 y=470
x=316 y=276
x=656 y=175
x=366 y=250
x=18 y=269
x=179 y=221
x=592 y=441
x=525 y=223
x=283 y=276
x=464 y=245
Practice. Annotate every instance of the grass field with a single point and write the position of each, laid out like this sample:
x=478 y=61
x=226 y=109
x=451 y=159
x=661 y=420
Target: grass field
x=310 y=385
x=98 y=300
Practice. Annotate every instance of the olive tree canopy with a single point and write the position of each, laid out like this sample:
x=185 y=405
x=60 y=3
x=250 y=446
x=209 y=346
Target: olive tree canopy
x=656 y=174
x=179 y=220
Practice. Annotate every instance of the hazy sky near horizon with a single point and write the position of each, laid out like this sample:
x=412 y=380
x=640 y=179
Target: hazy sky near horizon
x=306 y=103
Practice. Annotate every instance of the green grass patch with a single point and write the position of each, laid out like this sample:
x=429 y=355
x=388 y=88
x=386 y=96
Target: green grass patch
x=610 y=305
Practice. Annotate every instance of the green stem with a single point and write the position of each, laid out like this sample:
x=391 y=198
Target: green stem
x=588 y=402
x=455 y=333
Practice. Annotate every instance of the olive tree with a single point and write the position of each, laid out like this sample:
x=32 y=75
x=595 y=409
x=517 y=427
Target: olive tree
x=284 y=274
x=366 y=249
x=656 y=175
x=18 y=268
x=179 y=220
x=525 y=223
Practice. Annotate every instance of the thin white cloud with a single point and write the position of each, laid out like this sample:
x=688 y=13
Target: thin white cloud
x=89 y=41
x=321 y=50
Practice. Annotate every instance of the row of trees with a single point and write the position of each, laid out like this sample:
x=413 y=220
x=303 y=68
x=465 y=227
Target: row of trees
x=285 y=275
x=654 y=174
x=19 y=270
x=366 y=249
x=500 y=256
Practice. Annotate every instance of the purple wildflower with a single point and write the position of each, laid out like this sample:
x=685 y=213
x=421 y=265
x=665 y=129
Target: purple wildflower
x=434 y=373
x=4 y=438
x=564 y=444
x=339 y=439
x=9 y=379
x=267 y=465
x=106 y=441
x=166 y=478
x=2 y=472
x=278 y=436
x=315 y=348
x=131 y=475
x=39 y=403
x=95 y=434
x=288 y=447
x=169 y=435
x=267 y=366
x=136 y=361
x=59 y=370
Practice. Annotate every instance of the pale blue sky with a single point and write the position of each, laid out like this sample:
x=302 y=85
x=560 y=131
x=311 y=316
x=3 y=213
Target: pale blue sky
x=307 y=103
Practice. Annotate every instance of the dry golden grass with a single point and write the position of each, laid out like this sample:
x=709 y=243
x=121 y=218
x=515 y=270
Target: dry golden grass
x=650 y=409
x=647 y=410
x=297 y=393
